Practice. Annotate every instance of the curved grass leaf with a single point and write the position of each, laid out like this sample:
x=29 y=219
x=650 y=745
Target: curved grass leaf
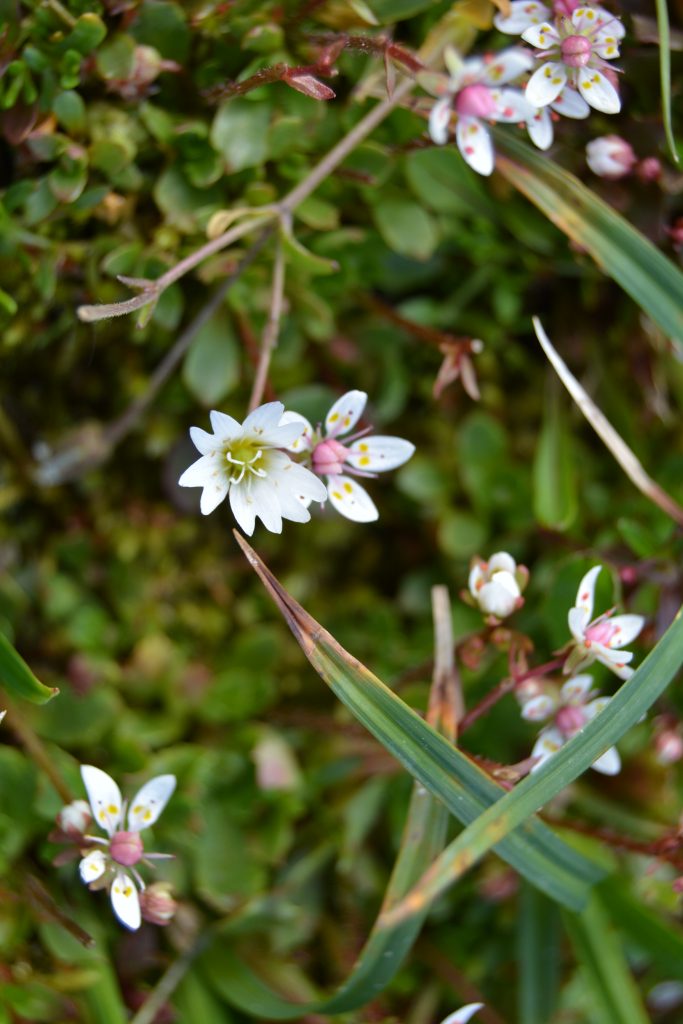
x=614 y=995
x=16 y=677
x=665 y=75
x=617 y=247
x=440 y=768
x=624 y=710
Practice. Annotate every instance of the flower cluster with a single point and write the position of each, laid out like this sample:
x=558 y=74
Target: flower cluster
x=112 y=864
x=252 y=464
x=601 y=639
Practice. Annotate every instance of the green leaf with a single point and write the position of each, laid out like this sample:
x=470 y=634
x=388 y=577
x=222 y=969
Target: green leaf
x=665 y=74
x=240 y=133
x=624 y=710
x=661 y=939
x=555 y=493
x=69 y=109
x=116 y=60
x=619 y=249
x=16 y=677
x=212 y=366
x=301 y=258
x=406 y=228
x=163 y=26
x=614 y=995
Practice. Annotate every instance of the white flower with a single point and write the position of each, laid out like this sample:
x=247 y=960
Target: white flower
x=525 y=13
x=113 y=866
x=610 y=157
x=571 y=709
x=497 y=585
x=245 y=461
x=573 y=51
x=358 y=456
x=601 y=639
x=74 y=818
x=462 y=1015
x=473 y=92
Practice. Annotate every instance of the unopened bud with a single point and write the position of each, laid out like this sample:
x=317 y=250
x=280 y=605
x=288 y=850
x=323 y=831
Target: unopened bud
x=157 y=904
x=649 y=169
x=309 y=85
x=669 y=746
x=74 y=818
x=276 y=768
x=610 y=156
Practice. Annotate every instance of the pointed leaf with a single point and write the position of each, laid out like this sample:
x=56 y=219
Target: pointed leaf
x=16 y=677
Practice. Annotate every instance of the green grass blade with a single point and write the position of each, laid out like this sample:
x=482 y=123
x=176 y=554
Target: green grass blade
x=16 y=677
x=665 y=75
x=555 y=491
x=538 y=945
x=625 y=709
x=618 y=248
x=614 y=995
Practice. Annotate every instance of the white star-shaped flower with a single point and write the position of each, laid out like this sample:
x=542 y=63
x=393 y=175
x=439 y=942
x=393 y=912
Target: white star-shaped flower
x=247 y=462
x=600 y=639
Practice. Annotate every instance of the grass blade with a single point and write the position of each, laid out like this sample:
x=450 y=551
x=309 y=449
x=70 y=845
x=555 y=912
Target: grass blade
x=614 y=995
x=538 y=943
x=665 y=75
x=625 y=709
x=16 y=677
x=660 y=938
x=618 y=248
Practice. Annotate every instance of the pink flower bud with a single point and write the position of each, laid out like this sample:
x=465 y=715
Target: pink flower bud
x=126 y=848
x=309 y=85
x=74 y=818
x=610 y=157
x=328 y=457
x=157 y=905
x=675 y=233
x=569 y=719
x=669 y=746
x=649 y=169
x=576 y=51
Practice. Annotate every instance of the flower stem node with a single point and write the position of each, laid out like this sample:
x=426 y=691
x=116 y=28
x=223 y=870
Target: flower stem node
x=111 y=864
x=496 y=586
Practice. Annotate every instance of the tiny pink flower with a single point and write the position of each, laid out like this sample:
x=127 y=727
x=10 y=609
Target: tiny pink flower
x=342 y=463
x=112 y=863
x=610 y=157
x=569 y=709
x=600 y=639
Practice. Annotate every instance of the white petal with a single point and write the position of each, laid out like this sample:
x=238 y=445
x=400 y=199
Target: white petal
x=606 y=46
x=598 y=91
x=243 y=508
x=149 y=802
x=543 y=36
x=608 y=763
x=439 y=120
x=213 y=494
x=203 y=442
x=263 y=419
x=351 y=500
x=283 y=436
x=578 y=619
x=200 y=473
x=125 y=902
x=224 y=426
x=522 y=15
x=540 y=128
x=571 y=104
x=511 y=106
x=302 y=483
x=576 y=689
x=462 y=1015
x=104 y=796
x=585 y=595
x=303 y=442
x=507 y=65
x=546 y=84
x=378 y=454
x=476 y=579
x=502 y=561
x=499 y=596
x=627 y=629
x=345 y=413
x=538 y=708
x=474 y=142
x=597 y=21
x=594 y=707
x=293 y=508
x=547 y=744
x=615 y=661
x=93 y=866
x=266 y=504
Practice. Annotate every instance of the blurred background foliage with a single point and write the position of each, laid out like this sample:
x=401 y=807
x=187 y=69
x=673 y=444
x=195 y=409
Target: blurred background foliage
x=116 y=149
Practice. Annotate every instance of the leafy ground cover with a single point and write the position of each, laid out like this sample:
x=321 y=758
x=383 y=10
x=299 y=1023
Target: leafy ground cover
x=360 y=792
